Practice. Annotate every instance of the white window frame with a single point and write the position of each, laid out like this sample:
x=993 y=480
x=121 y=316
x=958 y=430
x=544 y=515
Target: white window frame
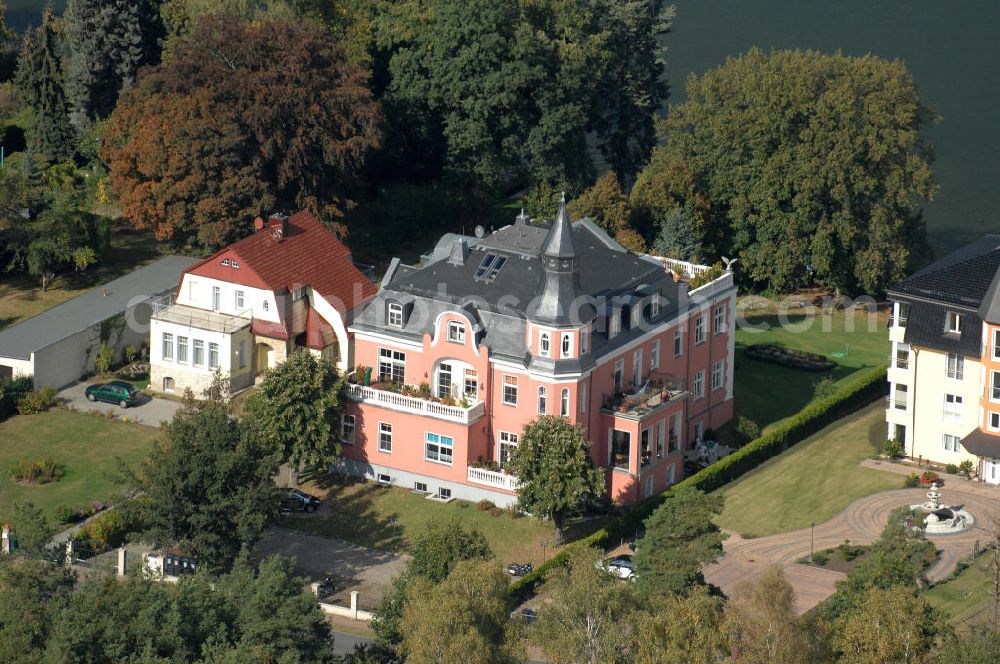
x=509 y=381
x=954 y=441
x=394 y=317
x=505 y=439
x=993 y=421
x=718 y=380
x=699 y=330
x=953 y=323
x=699 y=385
x=654 y=354
x=213 y=355
x=584 y=338
x=614 y=324
x=583 y=397
x=661 y=438
x=456 y=332
x=654 y=305
x=954 y=404
x=957 y=373
x=440 y=446
x=198 y=349
x=385 y=437
x=566 y=345
x=182 y=343
x=348 y=429
x=637 y=367
x=543 y=400
x=167 y=347
x=619 y=374
x=239 y=300
x=678 y=342
x=719 y=319
x=393 y=360
x=994 y=386
x=564 y=402
x=996 y=344
x=216 y=298
x=267 y=305
x=544 y=344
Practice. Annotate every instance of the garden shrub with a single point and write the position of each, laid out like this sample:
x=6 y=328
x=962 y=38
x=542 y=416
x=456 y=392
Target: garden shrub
x=485 y=505
x=107 y=530
x=63 y=513
x=966 y=468
x=28 y=404
x=747 y=429
x=820 y=558
x=951 y=469
x=37 y=471
x=46 y=397
x=11 y=392
x=892 y=449
x=912 y=481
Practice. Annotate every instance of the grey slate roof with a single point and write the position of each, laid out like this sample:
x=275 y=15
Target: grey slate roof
x=982 y=444
x=925 y=326
x=92 y=307
x=962 y=278
x=559 y=241
x=499 y=308
x=989 y=309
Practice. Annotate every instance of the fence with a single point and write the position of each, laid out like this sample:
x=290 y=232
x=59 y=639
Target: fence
x=356 y=609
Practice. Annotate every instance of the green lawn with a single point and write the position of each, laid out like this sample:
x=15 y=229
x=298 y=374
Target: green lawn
x=966 y=597
x=363 y=513
x=813 y=481
x=88 y=446
x=767 y=393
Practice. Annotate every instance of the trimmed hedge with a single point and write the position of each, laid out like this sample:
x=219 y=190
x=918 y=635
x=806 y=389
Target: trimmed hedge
x=12 y=390
x=797 y=428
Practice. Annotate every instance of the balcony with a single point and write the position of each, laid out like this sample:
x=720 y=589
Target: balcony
x=659 y=390
x=895 y=403
x=415 y=405
x=492 y=478
x=166 y=310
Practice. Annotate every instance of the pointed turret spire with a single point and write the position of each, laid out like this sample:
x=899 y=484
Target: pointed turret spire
x=559 y=241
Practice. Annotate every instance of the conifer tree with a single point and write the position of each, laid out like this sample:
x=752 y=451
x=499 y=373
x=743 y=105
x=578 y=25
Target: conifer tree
x=40 y=81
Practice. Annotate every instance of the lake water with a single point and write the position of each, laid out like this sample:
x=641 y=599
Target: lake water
x=951 y=48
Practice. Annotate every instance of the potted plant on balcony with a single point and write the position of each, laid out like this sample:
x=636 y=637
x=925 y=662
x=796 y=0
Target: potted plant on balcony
x=424 y=390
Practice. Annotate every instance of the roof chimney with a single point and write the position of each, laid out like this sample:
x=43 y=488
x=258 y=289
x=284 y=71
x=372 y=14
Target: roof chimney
x=459 y=252
x=258 y=223
x=276 y=223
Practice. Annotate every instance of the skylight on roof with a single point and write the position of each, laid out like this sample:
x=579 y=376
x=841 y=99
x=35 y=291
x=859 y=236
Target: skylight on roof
x=490 y=267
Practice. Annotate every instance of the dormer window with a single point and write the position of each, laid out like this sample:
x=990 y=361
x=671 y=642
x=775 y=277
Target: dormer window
x=953 y=323
x=395 y=317
x=298 y=294
x=654 y=305
x=543 y=344
x=234 y=264
x=636 y=317
x=614 y=324
x=566 y=345
x=225 y=262
x=456 y=332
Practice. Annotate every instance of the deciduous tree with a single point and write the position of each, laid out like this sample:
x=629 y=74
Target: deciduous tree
x=679 y=629
x=554 y=470
x=681 y=538
x=605 y=203
x=243 y=119
x=762 y=625
x=587 y=612
x=208 y=488
x=800 y=159
x=32 y=594
x=465 y=618
x=296 y=410
x=975 y=648
x=31 y=527
x=890 y=625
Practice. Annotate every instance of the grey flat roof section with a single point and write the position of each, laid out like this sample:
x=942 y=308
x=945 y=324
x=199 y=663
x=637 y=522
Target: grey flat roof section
x=83 y=311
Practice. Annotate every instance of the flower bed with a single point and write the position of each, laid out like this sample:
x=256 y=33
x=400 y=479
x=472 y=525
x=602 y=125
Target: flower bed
x=789 y=357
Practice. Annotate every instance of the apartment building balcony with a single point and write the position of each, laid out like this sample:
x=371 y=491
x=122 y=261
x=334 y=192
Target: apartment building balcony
x=657 y=392
x=492 y=478
x=387 y=397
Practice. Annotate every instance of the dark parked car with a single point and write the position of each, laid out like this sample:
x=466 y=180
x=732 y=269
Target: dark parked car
x=300 y=501
x=116 y=391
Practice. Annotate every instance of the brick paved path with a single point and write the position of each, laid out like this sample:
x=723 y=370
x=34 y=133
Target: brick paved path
x=861 y=522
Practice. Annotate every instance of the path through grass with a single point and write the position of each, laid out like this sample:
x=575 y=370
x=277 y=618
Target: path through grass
x=813 y=481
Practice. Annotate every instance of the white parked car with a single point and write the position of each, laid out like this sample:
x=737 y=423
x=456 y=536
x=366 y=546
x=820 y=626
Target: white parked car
x=621 y=566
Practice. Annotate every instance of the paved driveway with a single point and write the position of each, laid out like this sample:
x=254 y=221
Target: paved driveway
x=149 y=411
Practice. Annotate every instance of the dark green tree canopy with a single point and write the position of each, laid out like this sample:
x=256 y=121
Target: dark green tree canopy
x=208 y=488
x=32 y=594
x=801 y=159
x=296 y=410
x=554 y=470
x=681 y=538
x=40 y=81
x=441 y=545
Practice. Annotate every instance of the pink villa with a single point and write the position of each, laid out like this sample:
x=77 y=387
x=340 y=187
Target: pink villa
x=454 y=356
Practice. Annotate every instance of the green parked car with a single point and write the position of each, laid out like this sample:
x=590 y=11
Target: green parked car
x=116 y=391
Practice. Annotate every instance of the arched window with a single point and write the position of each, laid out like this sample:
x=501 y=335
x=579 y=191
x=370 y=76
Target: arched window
x=543 y=344
x=564 y=403
x=566 y=345
x=541 y=400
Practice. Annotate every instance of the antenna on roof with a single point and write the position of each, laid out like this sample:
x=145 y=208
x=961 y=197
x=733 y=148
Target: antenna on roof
x=480 y=231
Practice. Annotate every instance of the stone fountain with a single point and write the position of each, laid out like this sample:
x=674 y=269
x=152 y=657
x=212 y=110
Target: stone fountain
x=942 y=519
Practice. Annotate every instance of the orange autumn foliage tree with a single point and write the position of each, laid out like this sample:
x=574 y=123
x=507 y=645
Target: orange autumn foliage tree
x=246 y=119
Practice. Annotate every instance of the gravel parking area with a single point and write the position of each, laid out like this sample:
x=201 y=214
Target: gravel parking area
x=150 y=411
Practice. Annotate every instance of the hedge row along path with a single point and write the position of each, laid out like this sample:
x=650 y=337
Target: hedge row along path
x=862 y=523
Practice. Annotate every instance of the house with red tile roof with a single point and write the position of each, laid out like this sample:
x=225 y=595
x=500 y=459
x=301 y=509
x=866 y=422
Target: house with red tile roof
x=290 y=285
